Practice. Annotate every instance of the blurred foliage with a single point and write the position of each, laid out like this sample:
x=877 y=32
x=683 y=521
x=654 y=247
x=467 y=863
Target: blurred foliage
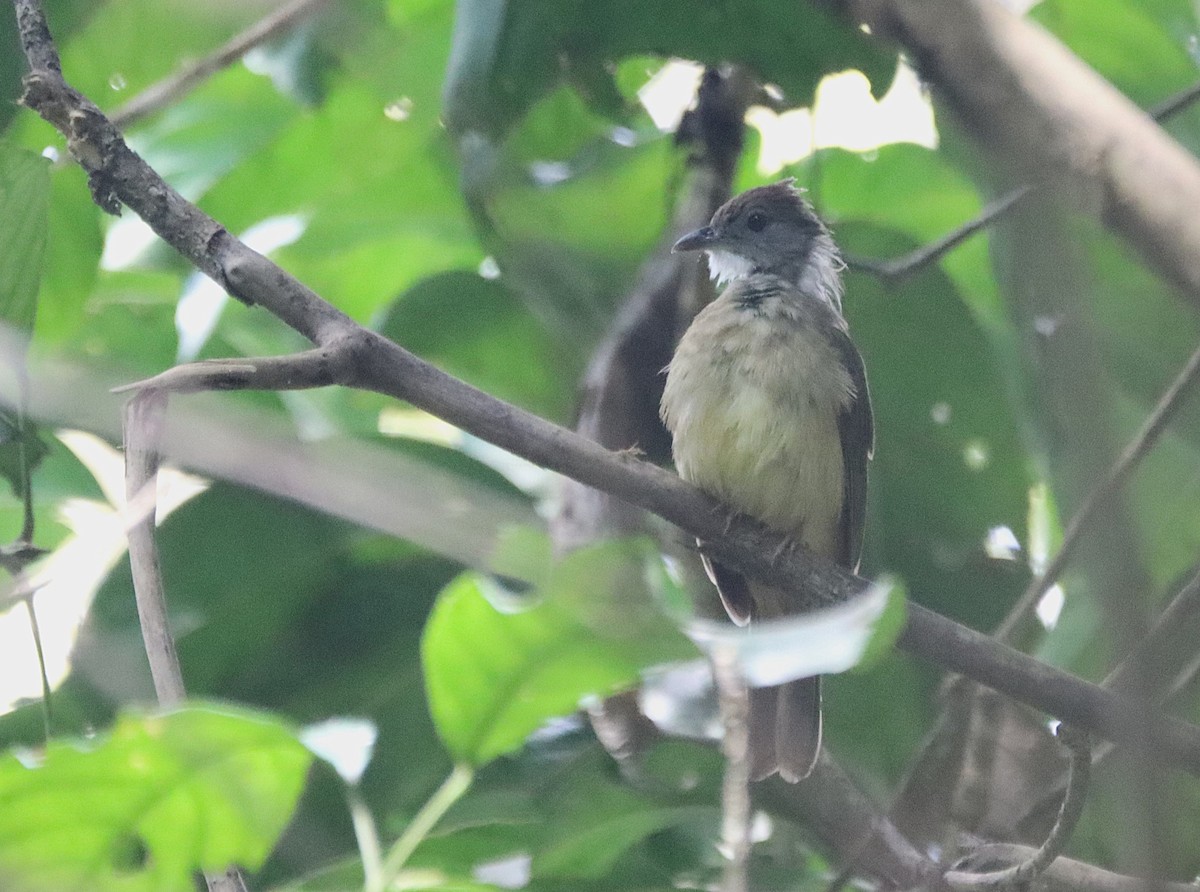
x=143 y=806
x=479 y=182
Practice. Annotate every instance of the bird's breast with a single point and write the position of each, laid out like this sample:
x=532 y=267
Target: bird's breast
x=753 y=403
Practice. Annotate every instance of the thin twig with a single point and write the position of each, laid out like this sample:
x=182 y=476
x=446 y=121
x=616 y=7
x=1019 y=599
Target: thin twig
x=1020 y=875
x=297 y=371
x=36 y=631
x=173 y=88
x=1179 y=614
x=1173 y=105
x=733 y=696
x=144 y=417
x=27 y=525
x=1172 y=631
x=897 y=269
x=1166 y=408
x=1069 y=875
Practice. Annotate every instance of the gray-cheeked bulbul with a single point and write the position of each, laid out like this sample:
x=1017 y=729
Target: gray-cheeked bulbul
x=766 y=399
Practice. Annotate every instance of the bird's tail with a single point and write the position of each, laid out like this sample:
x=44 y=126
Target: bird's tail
x=785 y=729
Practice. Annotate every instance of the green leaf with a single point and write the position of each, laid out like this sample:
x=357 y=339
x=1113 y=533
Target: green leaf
x=507 y=56
x=24 y=215
x=24 y=211
x=109 y=58
x=378 y=195
x=194 y=142
x=21 y=450
x=497 y=667
x=156 y=799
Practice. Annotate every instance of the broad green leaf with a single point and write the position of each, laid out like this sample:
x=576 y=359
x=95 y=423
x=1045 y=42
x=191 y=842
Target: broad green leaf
x=507 y=56
x=916 y=191
x=150 y=803
x=194 y=142
x=234 y=587
x=496 y=668
x=24 y=203
x=377 y=195
x=21 y=450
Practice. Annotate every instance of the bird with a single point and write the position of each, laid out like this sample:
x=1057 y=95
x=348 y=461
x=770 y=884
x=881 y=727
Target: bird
x=767 y=403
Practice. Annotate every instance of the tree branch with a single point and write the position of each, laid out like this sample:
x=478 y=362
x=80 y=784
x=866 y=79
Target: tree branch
x=895 y=270
x=144 y=417
x=1066 y=874
x=364 y=359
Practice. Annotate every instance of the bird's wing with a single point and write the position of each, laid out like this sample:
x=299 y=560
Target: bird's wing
x=857 y=430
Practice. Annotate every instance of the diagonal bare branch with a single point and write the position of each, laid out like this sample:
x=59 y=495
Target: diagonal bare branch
x=895 y=270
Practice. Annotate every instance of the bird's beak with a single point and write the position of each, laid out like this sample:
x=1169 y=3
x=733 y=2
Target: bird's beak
x=698 y=240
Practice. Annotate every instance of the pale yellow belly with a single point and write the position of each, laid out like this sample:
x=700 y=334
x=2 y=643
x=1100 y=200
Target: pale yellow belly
x=778 y=462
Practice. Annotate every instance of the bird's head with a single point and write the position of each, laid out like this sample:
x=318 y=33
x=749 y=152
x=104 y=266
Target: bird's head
x=771 y=229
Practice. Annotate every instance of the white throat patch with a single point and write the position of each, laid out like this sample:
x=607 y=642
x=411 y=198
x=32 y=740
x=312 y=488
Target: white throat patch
x=725 y=267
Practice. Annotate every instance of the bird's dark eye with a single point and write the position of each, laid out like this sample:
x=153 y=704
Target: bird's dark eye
x=756 y=221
